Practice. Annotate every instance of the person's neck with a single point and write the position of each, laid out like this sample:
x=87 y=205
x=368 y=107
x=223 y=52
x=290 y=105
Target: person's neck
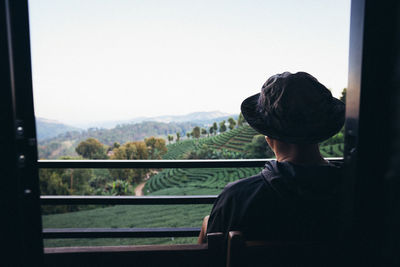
x=302 y=155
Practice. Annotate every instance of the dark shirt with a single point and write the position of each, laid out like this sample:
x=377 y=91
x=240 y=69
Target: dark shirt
x=283 y=202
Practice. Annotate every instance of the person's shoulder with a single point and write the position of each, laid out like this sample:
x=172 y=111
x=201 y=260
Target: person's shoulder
x=252 y=185
x=249 y=184
x=244 y=183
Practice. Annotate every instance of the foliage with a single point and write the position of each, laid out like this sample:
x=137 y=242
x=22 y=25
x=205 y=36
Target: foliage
x=178 y=137
x=179 y=150
x=91 y=148
x=195 y=181
x=343 y=96
x=46 y=151
x=215 y=127
x=336 y=139
x=222 y=127
x=156 y=147
x=239 y=142
x=258 y=148
x=64 y=182
x=116 y=145
x=208 y=152
x=99 y=180
x=131 y=150
x=118 y=188
x=51 y=182
x=241 y=119
x=232 y=123
x=67 y=142
x=196 y=132
x=170 y=138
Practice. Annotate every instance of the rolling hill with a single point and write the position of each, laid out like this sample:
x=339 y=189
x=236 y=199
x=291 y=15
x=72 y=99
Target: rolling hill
x=170 y=182
x=64 y=144
x=50 y=128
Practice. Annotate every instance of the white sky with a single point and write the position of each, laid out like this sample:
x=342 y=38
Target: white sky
x=97 y=60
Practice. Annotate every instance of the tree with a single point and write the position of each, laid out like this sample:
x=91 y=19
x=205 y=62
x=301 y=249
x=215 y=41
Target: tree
x=188 y=134
x=343 y=96
x=64 y=182
x=178 y=137
x=116 y=145
x=241 y=119
x=211 y=130
x=222 y=127
x=170 y=138
x=232 y=123
x=196 y=132
x=118 y=188
x=51 y=183
x=258 y=148
x=131 y=150
x=215 y=127
x=203 y=131
x=91 y=148
x=156 y=147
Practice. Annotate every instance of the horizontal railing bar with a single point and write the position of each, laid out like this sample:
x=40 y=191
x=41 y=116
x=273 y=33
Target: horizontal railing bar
x=150 y=164
x=127 y=200
x=156 y=164
x=53 y=233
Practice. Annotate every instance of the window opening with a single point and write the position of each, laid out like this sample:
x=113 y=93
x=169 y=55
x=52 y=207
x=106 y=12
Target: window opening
x=164 y=81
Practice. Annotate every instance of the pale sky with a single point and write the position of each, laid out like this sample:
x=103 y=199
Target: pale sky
x=97 y=60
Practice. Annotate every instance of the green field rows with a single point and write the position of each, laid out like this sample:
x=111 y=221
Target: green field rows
x=141 y=216
x=335 y=150
x=234 y=140
x=215 y=178
x=192 y=181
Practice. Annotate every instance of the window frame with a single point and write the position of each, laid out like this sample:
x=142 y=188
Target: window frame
x=372 y=43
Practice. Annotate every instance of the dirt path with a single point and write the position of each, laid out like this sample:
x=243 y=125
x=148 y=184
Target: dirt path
x=139 y=189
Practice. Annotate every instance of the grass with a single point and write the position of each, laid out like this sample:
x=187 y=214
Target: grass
x=139 y=216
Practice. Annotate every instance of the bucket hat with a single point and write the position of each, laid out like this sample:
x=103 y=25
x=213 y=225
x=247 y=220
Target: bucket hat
x=294 y=108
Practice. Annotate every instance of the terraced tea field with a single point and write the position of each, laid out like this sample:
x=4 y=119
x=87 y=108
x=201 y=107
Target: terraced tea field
x=201 y=181
x=234 y=140
x=335 y=150
x=195 y=181
x=208 y=181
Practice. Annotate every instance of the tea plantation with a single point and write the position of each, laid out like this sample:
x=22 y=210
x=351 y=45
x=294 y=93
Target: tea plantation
x=208 y=181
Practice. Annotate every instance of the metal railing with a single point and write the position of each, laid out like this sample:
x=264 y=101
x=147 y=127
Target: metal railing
x=151 y=164
x=135 y=200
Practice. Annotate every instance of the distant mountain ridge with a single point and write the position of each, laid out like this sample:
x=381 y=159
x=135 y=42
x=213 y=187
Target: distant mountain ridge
x=46 y=128
x=202 y=117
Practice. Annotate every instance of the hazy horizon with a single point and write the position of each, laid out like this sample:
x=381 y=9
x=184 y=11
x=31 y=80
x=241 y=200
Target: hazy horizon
x=134 y=119
x=100 y=60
